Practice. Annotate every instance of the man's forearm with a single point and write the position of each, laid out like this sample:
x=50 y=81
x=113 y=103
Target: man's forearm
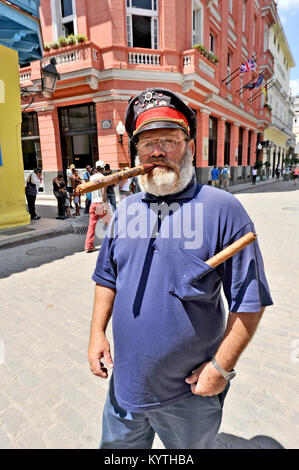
x=102 y=310
x=239 y=331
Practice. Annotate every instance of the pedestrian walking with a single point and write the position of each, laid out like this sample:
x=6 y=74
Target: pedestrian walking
x=76 y=182
x=173 y=357
x=70 y=172
x=277 y=171
x=225 y=176
x=254 y=174
x=86 y=178
x=110 y=189
x=295 y=174
x=125 y=187
x=58 y=183
x=215 y=176
x=99 y=208
x=31 y=189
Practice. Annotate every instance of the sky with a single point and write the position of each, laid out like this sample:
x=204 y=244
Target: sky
x=289 y=17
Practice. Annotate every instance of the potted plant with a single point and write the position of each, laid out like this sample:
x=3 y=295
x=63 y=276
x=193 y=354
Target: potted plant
x=267 y=106
x=81 y=38
x=54 y=45
x=71 y=39
x=47 y=47
x=201 y=48
x=267 y=165
x=62 y=41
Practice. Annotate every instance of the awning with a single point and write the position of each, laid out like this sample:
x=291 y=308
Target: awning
x=20 y=31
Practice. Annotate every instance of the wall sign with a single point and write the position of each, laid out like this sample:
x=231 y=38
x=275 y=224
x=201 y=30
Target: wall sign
x=106 y=124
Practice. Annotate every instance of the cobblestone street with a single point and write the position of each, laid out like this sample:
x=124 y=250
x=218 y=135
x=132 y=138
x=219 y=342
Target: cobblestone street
x=49 y=398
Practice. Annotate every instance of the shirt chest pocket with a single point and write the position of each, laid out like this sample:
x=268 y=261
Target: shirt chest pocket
x=193 y=279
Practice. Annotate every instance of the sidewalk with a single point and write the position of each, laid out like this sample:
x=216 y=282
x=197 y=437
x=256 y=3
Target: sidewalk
x=48 y=227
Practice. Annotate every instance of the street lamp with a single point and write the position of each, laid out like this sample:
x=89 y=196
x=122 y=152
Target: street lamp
x=120 y=129
x=49 y=77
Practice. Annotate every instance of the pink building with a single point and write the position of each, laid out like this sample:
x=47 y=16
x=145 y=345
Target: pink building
x=135 y=44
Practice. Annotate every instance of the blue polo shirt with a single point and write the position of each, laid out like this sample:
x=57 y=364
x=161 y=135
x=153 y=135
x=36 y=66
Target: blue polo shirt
x=215 y=174
x=168 y=315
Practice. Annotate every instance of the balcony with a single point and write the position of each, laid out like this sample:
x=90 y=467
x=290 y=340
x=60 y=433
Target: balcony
x=269 y=9
x=30 y=6
x=264 y=116
x=138 y=56
x=266 y=64
x=195 y=62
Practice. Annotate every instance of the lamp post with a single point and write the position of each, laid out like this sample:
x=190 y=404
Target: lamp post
x=120 y=129
x=49 y=77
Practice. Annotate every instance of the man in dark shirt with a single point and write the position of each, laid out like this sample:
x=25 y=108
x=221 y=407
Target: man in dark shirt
x=174 y=349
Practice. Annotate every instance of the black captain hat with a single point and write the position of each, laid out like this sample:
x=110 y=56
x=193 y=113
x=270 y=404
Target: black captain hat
x=159 y=108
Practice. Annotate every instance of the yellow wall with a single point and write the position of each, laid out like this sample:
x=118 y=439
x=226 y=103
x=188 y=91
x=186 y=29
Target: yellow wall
x=12 y=193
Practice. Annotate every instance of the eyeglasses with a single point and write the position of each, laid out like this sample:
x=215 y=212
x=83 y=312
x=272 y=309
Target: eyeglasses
x=166 y=144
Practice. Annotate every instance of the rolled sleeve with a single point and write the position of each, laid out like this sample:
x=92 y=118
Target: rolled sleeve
x=244 y=280
x=105 y=271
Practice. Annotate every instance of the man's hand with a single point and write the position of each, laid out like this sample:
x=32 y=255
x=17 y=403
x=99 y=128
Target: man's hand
x=206 y=380
x=98 y=349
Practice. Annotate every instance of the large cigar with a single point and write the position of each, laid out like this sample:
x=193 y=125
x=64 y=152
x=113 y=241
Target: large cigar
x=114 y=178
x=231 y=250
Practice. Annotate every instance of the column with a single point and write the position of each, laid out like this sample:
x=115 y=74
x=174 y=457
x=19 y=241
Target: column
x=245 y=146
x=49 y=133
x=253 y=155
x=202 y=146
x=220 y=142
x=234 y=143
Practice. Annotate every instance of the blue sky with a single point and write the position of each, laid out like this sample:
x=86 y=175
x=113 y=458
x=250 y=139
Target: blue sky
x=289 y=17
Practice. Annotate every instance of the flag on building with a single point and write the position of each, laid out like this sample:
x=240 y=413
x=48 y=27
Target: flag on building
x=255 y=83
x=248 y=66
x=265 y=91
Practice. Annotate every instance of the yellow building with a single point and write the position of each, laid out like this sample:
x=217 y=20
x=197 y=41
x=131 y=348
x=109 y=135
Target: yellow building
x=12 y=198
x=20 y=42
x=279 y=136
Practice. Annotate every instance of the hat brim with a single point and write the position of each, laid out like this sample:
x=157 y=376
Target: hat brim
x=158 y=125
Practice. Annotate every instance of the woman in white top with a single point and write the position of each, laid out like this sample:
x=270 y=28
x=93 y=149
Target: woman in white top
x=254 y=173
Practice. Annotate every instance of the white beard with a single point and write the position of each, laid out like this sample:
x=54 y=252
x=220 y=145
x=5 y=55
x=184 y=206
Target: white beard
x=161 y=182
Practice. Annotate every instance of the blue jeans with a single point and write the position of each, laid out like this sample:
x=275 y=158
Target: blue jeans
x=191 y=423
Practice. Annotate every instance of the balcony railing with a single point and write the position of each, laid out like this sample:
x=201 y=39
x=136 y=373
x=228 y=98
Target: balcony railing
x=266 y=63
x=144 y=58
x=30 y=6
x=195 y=62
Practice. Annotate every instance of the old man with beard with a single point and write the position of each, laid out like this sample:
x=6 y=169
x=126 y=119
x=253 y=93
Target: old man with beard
x=174 y=348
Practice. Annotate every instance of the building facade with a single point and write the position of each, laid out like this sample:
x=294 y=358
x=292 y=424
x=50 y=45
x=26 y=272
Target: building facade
x=279 y=137
x=137 y=44
x=296 y=123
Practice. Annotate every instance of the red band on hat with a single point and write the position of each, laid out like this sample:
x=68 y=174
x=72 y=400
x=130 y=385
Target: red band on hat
x=165 y=114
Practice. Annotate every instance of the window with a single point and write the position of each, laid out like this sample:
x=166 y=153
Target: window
x=197 y=22
x=266 y=34
x=63 y=17
x=240 y=147
x=227 y=143
x=244 y=16
x=212 y=141
x=230 y=6
x=249 y=147
x=212 y=43
x=29 y=124
x=253 y=31
x=229 y=63
x=142 y=24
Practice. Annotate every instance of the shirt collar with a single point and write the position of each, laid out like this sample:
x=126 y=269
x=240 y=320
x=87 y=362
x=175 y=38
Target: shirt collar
x=187 y=193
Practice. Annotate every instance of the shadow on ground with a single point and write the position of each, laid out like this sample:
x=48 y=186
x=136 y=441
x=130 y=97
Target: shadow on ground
x=278 y=186
x=229 y=441
x=20 y=258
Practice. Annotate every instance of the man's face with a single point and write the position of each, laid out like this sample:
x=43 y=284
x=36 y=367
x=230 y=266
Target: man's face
x=88 y=168
x=173 y=161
